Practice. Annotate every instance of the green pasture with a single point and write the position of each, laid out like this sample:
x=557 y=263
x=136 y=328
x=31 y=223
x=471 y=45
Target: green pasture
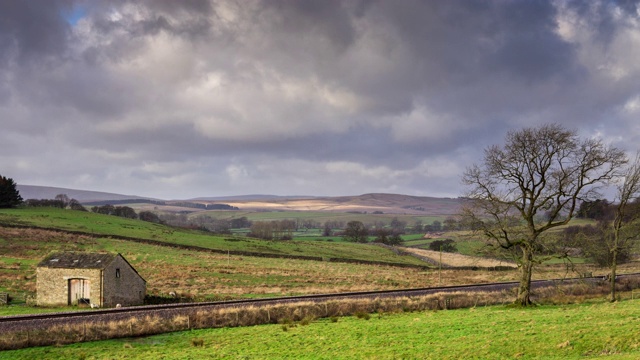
x=104 y=225
x=195 y=274
x=318 y=216
x=585 y=331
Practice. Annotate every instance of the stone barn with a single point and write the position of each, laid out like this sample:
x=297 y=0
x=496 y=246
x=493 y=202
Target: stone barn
x=96 y=279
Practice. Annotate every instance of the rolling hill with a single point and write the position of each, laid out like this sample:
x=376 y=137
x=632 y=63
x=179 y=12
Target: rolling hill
x=366 y=203
x=48 y=192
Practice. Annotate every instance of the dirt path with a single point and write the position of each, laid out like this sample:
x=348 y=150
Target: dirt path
x=453 y=259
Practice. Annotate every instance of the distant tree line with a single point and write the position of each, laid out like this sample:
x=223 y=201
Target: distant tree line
x=273 y=230
x=186 y=204
x=205 y=222
x=357 y=231
x=61 y=201
x=121 y=211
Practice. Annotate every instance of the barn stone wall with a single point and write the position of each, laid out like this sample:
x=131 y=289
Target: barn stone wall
x=53 y=285
x=126 y=289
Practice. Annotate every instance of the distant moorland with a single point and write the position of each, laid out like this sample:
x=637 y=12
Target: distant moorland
x=367 y=203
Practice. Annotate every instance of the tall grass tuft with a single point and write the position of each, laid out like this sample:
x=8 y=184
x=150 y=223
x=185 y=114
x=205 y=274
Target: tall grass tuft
x=197 y=342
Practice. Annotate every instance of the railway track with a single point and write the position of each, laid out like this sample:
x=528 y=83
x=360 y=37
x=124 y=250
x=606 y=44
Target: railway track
x=25 y=322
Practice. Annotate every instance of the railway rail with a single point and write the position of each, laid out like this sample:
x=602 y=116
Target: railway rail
x=26 y=322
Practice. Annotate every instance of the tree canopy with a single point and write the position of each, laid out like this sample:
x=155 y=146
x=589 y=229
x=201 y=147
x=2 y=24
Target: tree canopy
x=534 y=183
x=9 y=194
x=356 y=232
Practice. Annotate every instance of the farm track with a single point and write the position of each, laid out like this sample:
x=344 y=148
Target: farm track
x=43 y=321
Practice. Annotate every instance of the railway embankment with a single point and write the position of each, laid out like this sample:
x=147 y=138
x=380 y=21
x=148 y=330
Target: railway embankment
x=63 y=328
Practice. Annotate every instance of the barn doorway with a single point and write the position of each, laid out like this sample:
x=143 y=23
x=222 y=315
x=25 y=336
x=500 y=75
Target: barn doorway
x=79 y=291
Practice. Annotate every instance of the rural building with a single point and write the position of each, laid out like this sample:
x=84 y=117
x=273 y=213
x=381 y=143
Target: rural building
x=101 y=279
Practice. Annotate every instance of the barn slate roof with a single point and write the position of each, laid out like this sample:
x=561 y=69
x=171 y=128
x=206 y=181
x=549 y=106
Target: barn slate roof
x=77 y=260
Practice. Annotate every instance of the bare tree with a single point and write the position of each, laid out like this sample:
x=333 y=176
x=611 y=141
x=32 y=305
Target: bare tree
x=621 y=233
x=356 y=232
x=532 y=184
x=64 y=199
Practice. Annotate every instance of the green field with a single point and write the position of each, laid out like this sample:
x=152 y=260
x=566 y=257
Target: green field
x=544 y=332
x=318 y=216
x=211 y=276
x=98 y=225
x=584 y=331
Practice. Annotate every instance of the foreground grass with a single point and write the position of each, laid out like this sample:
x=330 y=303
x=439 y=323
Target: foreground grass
x=584 y=331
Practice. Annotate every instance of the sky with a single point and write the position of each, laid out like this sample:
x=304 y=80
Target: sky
x=182 y=99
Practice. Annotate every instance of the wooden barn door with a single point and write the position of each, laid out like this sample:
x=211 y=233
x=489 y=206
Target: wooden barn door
x=79 y=291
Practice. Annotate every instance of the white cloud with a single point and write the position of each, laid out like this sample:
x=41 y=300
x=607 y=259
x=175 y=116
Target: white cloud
x=632 y=105
x=422 y=124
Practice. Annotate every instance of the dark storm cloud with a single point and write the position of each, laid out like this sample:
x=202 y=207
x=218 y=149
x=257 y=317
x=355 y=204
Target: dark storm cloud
x=330 y=20
x=25 y=40
x=454 y=45
x=180 y=18
x=603 y=20
x=527 y=45
x=321 y=97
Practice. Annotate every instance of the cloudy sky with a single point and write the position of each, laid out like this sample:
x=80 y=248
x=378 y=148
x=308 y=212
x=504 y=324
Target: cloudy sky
x=179 y=99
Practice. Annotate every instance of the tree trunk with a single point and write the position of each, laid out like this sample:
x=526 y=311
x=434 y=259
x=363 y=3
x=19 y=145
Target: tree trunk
x=524 y=289
x=614 y=264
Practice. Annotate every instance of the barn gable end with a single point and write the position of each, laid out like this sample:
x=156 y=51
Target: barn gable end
x=122 y=284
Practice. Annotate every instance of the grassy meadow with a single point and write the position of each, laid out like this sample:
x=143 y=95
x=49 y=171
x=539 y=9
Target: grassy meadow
x=491 y=332
x=214 y=276
x=318 y=216
x=210 y=276
x=103 y=225
x=594 y=329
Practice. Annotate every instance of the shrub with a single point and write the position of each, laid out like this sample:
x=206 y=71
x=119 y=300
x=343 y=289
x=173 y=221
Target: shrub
x=447 y=245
